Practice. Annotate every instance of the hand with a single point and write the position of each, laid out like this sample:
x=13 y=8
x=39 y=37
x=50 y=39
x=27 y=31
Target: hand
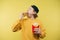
x=23 y=15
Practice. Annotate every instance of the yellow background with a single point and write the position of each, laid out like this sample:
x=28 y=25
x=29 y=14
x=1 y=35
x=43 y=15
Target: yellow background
x=49 y=15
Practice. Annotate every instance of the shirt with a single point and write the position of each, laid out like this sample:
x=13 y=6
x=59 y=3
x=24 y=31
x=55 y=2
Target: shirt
x=27 y=29
x=25 y=25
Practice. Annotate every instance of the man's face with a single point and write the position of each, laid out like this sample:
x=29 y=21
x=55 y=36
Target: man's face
x=31 y=11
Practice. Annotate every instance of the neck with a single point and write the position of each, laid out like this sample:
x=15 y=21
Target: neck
x=31 y=16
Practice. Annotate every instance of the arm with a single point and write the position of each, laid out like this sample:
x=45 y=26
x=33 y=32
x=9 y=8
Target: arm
x=17 y=27
x=42 y=31
x=43 y=34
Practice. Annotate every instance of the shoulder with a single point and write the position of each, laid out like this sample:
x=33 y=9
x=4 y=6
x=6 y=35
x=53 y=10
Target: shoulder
x=38 y=20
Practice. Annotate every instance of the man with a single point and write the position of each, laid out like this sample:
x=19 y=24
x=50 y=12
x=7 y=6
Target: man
x=32 y=28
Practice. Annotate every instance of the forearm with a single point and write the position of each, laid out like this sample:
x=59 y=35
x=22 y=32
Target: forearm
x=43 y=34
x=16 y=27
x=20 y=22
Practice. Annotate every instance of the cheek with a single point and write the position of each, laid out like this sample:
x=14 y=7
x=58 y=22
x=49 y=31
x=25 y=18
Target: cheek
x=30 y=12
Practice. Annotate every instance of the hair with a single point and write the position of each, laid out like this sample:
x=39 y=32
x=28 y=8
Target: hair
x=35 y=15
x=36 y=10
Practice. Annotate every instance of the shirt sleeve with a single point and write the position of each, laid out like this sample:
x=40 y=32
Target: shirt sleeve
x=42 y=30
x=17 y=26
